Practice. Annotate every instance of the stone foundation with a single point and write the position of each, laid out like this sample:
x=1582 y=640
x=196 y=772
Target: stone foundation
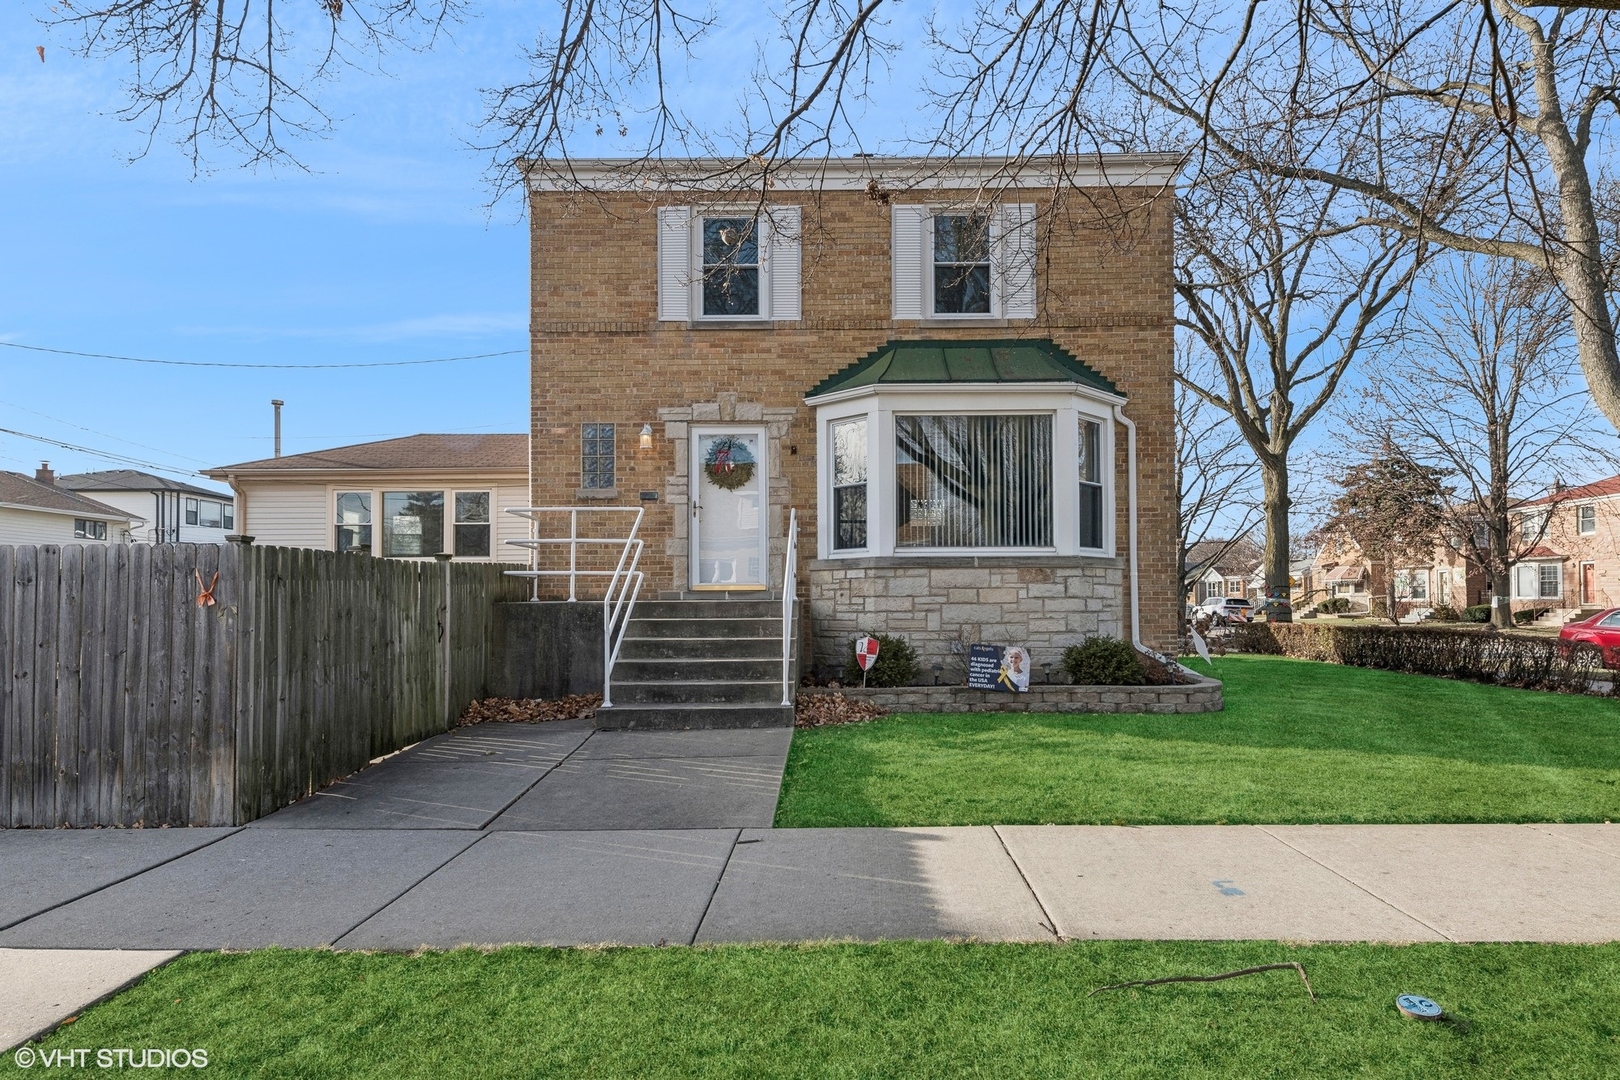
x=1202 y=696
x=942 y=605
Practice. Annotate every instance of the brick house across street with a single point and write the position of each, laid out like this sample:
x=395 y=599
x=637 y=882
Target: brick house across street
x=958 y=375
x=1575 y=563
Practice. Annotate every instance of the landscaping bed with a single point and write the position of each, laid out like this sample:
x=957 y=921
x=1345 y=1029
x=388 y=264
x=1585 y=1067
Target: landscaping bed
x=1297 y=742
x=902 y=1009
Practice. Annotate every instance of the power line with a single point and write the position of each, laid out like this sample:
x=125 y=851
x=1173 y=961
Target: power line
x=103 y=454
x=92 y=431
x=277 y=367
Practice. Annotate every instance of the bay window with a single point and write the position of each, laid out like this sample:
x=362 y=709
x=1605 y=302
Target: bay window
x=973 y=481
x=1538 y=581
x=415 y=524
x=1091 y=484
x=849 y=484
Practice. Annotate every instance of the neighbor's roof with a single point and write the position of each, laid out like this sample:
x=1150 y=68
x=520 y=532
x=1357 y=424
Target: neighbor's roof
x=1542 y=551
x=414 y=453
x=1225 y=557
x=1016 y=360
x=132 y=480
x=1597 y=489
x=19 y=490
x=1346 y=573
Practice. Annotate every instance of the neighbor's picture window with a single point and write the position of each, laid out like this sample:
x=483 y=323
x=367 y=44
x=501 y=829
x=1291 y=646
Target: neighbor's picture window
x=730 y=266
x=353 y=522
x=210 y=514
x=413 y=523
x=1586 y=520
x=596 y=456
x=849 y=484
x=472 y=524
x=1091 y=485
x=973 y=481
x=89 y=530
x=961 y=264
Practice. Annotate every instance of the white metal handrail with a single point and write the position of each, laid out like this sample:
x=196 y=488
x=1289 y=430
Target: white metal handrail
x=624 y=580
x=790 y=595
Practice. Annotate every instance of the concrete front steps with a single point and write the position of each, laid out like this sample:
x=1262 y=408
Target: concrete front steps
x=701 y=663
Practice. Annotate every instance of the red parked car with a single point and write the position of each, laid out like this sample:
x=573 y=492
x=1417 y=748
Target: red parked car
x=1602 y=630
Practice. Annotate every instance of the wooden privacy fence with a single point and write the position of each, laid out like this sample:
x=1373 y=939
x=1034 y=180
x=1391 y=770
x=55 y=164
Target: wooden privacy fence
x=126 y=702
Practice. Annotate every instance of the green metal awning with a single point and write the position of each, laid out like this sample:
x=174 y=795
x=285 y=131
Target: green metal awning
x=1018 y=360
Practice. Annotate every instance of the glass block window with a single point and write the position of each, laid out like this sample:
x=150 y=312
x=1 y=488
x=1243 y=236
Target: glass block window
x=849 y=484
x=731 y=266
x=596 y=449
x=472 y=524
x=413 y=523
x=1091 y=484
x=352 y=522
x=973 y=481
x=962 y=264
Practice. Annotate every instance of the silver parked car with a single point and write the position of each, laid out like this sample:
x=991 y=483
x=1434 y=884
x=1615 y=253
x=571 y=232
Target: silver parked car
x=1223 y=610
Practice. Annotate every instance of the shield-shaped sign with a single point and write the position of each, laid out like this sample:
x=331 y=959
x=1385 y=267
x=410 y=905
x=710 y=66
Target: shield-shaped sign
x=866 y=650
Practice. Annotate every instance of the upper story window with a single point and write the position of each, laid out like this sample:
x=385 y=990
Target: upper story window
x=961 y=264
x=596 y=457
x=955 y=263
x=1531 y=526
x=729 y=266
x=191 y=511
x=1586 y=519
x=84 y=529
x=210 y=514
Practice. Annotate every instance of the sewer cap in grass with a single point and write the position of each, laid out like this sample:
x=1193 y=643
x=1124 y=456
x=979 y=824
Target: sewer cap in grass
x=1418 y=1008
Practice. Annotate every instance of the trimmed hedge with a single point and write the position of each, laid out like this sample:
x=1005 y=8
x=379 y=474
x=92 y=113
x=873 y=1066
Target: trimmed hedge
x=1103 y=661
x=1531 y=661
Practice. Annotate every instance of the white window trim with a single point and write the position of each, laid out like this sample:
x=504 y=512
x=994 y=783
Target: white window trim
x=993 y=214
x=449 y=541
x=1065 y=402
x=1535 y=594
x=1579 y=531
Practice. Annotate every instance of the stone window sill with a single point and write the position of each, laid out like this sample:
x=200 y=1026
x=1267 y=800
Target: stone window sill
x=962 y=562
x=593 y=494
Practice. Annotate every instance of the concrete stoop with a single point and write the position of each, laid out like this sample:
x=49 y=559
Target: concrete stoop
x=689 y=664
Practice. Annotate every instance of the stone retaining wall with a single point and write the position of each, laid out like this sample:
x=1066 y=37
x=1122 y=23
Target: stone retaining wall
x=1200 y=697
x=941 y=605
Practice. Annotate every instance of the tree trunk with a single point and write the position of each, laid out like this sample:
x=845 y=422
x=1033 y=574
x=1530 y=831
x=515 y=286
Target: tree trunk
x=1274 y=478
x=1502 y=601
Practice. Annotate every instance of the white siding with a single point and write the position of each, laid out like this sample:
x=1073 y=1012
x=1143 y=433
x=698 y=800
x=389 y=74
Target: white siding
x=287 y=515
x=510 y=526
x=29 y=527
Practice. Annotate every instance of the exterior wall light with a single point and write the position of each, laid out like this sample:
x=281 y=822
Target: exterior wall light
x=646 y=436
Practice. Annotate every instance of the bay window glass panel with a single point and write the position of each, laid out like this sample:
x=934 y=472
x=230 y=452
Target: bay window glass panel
x=730 y=266
x=849 y=484
x=961 y=264
x=1091 y=487
x=1524 y=582
x=1552 y=581
x=973 y=481
x=413 y=523
x=472 y=524
x=353 y=520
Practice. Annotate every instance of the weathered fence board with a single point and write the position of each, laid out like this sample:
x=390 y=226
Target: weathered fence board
x=125 y=702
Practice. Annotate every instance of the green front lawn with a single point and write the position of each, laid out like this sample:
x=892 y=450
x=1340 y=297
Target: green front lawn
x=894 y=1010
x=1298 y=742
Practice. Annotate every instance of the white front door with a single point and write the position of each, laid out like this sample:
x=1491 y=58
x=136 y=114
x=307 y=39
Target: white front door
x=729 y=511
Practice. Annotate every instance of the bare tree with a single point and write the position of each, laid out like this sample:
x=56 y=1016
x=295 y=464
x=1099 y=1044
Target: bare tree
x=1484 y=386
x=1216 y=475
x=1279 y=303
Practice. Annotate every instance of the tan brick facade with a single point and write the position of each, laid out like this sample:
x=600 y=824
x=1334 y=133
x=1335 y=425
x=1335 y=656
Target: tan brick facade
x=600 y=355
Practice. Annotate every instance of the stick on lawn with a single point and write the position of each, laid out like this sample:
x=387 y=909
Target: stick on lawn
x=1214 y=978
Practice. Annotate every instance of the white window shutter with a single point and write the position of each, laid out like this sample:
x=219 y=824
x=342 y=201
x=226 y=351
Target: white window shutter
x=783 y=262
x=906 y=253
x=674 y=263
x=1017 y=258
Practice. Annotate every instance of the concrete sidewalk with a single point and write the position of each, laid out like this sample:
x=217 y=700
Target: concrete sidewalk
x=405 y=888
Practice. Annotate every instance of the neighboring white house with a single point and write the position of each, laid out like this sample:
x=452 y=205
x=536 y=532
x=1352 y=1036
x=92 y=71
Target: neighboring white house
x=174 y=512
x=411 y=497
x=36 y=511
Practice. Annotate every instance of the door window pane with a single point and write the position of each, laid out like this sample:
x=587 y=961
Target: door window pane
x=472 y=524
x=353 y=522
x=413 y=523
x=973 y=481
x=730 y=266
x=962 y=264
x=849 y=484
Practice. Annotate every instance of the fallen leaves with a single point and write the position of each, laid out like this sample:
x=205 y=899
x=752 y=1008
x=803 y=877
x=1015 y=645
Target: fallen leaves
x=821 y=709
x=529 y=710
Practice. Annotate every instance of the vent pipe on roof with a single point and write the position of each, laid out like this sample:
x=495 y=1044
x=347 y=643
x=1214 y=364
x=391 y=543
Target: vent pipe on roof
x=277 y=403
x=44 y=474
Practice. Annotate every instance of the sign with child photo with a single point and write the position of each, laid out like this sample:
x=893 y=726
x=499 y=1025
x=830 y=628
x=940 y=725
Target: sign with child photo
x=998 y=667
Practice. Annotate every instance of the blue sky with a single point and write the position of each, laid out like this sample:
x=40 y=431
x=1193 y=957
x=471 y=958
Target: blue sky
x=385 y=250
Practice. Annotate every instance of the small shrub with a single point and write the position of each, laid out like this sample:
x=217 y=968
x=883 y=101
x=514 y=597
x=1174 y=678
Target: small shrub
x=1444 y=613
x=1103 y=661
x=1529 y=615
x=1334 y=605
x=1476 y=613
x=896 y=663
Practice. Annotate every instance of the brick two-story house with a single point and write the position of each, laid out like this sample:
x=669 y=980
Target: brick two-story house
x=959 y=376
